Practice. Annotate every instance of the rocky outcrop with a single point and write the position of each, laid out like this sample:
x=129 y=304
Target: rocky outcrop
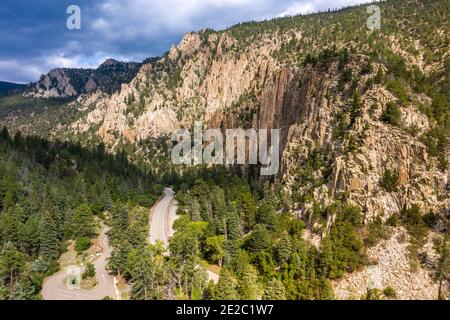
x=66 y=82
x=206 y=78
x=391 y=266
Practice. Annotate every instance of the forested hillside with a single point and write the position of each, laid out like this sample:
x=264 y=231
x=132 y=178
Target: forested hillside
x=51 y=192
x=8 y=87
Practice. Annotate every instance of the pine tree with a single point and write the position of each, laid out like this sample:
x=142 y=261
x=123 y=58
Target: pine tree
x=259 y=239
x=83 y=221
x=118 y=260
x=219 y=209
x=195 y=210
x=8 y=201
x=442 y=247
x=249 y=286
x=275 y=290
x=226 y=288
x=248 y=210
x=29 y=236
x=266 y=214
x=5 y=135
x=25 y=289
x=49 y=243
x=284 y=248
x=9 y=227
x=80 y=193
x=233 y=226
x=12 y=264
x=144 y=282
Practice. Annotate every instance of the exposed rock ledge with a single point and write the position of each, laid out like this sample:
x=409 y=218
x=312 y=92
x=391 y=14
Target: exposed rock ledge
x=391 y=269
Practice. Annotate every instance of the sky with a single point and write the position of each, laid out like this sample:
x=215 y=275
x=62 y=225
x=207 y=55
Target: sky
x=34 y=37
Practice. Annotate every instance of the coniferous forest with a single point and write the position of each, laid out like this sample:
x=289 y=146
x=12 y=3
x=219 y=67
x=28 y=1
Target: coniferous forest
x=51 y=192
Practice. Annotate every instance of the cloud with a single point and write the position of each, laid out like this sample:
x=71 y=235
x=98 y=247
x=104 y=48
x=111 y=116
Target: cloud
x=35 y=38
x=297 y=8
x=15 y=71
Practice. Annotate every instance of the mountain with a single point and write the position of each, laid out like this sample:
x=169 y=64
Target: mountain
x=8 y=87
x=70 y=82
x=365 y=126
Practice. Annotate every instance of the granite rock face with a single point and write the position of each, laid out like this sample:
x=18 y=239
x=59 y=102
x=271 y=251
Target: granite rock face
x=67 y=82
x=392 y=267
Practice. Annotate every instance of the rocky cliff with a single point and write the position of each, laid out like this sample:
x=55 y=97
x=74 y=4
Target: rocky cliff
x=67 y=82
x=284 y=79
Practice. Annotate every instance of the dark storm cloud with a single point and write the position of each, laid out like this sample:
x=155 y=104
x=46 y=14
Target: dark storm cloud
x=34 y=37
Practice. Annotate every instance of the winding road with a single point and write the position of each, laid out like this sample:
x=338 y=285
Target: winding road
x=56 y=287
x=162 y=216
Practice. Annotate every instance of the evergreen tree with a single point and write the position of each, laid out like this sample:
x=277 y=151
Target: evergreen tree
x=12 y=264
x=25 y=289
x=275 y=290
x=249 y=286
x=29 y=235
x=8 y=201
x=143 y=282
x=259 y=239
x=442 y=248
x=49 y=243
x=226 y=287
x=248 y=208
x=83 y=221
x=266 y=214
x=233 y=226
x=9 y=227
x=220 y=209
x=284 y=248
x=118 y=259
x=195 y=210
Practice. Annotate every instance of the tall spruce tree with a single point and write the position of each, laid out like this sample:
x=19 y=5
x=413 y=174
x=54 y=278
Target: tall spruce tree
x=275 y=290
x=226 y=288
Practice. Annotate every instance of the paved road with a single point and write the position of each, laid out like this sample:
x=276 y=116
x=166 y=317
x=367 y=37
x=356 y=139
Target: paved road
x=162 y=216
x=55 y=288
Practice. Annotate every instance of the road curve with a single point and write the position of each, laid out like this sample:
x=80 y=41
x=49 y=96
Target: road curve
x=54 y=287
x=162 y=217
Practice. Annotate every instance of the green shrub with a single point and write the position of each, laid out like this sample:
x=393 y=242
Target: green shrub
x=393 y=220
x=430 y=219
x=89 y=272
x=390 y=180
x=392 y=114
x=373 y=294
x=376 y=232
x=413 y=222
x=397 y=88
x=436 y=140
x=82 y=244
x=389 y=293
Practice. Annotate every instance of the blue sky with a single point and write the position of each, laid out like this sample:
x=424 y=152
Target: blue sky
x=34 y=37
